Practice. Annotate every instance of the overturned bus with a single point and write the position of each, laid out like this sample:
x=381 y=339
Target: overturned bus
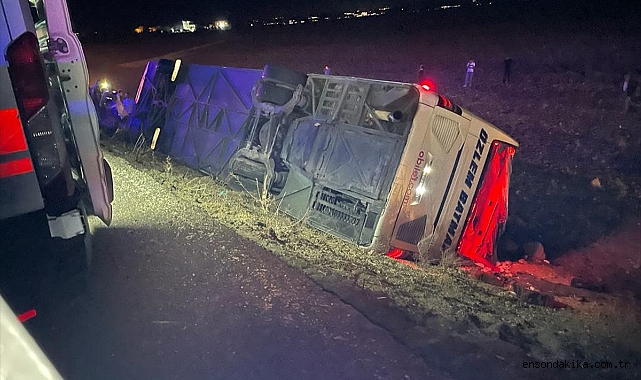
x=390 y=166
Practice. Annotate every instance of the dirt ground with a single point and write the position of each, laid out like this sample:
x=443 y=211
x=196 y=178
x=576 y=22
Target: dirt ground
x=576 y=181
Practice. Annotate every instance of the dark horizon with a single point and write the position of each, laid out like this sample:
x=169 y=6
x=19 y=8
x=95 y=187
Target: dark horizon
x=124 y=15
x=162 y=12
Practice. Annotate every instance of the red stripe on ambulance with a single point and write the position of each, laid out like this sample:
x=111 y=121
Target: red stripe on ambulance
x=15 y=167
x=12 y=137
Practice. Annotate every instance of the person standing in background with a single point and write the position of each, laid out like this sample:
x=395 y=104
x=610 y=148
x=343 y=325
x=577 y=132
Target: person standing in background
x=632 y=90
x=626 y=82
x=507 y=70
x=118 y=104
x=421 y=74
x=469 y=73
x=128 y=103
x=326 y=70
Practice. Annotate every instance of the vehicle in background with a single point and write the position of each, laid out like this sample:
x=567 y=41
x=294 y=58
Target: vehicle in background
x=390 y=166
x=105 y=100
x=51 y=164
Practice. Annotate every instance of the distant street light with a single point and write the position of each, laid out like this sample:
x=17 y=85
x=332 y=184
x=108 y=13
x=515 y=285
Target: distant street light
x=222 y=25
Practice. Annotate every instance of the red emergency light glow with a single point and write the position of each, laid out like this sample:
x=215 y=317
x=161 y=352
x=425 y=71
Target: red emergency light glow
x=427 y=85
x=395 y=253
x=488 y=214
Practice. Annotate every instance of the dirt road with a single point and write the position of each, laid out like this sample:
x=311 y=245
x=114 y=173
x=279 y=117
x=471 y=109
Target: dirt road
x=173 y=295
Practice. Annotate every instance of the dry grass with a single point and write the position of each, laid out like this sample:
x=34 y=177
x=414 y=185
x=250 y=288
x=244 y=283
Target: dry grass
x=450 y=259
x=439 y=290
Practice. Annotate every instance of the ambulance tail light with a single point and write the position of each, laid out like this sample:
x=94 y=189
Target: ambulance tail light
x=31 y=89
x=488 y=213
x=26 y=68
